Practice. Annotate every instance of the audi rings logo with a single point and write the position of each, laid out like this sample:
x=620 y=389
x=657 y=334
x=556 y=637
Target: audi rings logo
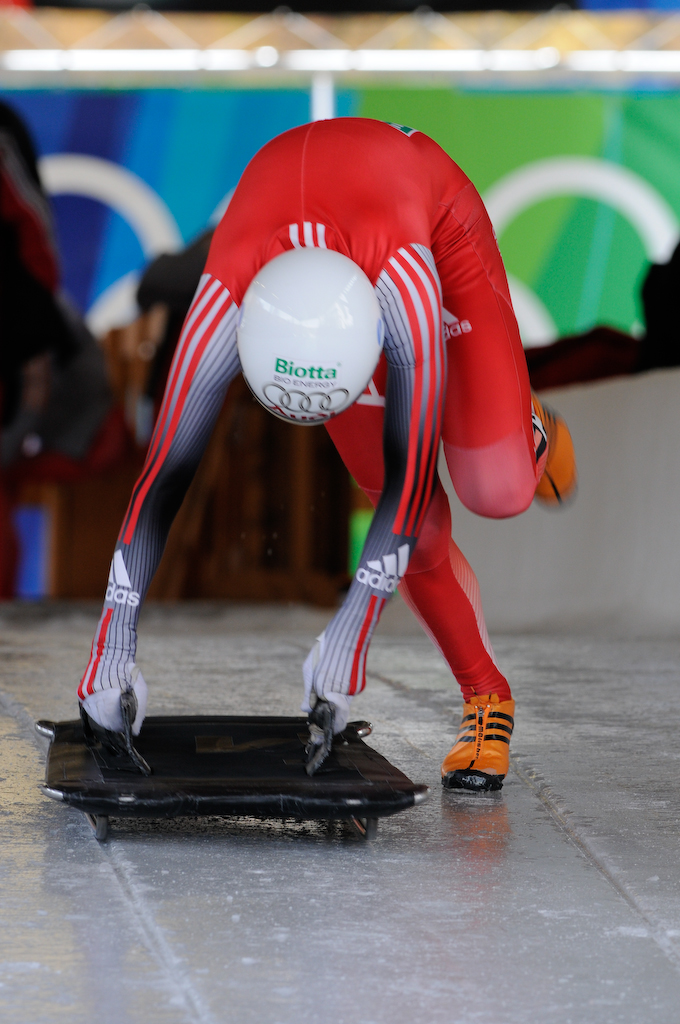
x=296 y=403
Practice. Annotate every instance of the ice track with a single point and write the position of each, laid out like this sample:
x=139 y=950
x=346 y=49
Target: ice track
x=558 y=902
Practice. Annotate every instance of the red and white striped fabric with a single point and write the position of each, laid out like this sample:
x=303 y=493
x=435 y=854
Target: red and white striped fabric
x=311 y=236
x=204 y=364
x=415 y=278
x=210 y=304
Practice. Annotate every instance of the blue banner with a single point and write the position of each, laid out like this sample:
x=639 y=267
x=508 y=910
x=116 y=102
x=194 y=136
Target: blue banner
x=134 y=173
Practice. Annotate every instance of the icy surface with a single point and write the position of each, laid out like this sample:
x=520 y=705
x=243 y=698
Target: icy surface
x=557 y=902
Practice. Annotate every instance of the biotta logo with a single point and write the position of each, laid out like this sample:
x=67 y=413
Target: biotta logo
x=385 y=575
x=453 y=327
x=304 y=392
x=288 y=367
x=120 y=589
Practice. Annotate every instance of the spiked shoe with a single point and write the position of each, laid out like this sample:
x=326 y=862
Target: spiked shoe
x=480 y=757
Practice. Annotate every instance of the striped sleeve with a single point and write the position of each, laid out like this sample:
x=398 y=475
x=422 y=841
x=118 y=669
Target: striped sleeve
x=409 y=293
x=205 y=363
x=207 y=319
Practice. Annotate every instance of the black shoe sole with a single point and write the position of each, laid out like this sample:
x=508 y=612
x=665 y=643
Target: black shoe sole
x=472 y=781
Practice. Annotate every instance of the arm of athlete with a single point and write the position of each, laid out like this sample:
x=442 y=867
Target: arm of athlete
x=205 y=363
x=409 y=293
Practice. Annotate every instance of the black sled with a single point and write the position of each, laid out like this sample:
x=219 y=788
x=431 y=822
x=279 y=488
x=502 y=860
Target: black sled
x=225 y=765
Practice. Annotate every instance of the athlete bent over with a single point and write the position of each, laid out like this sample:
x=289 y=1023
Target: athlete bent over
x=391 y=201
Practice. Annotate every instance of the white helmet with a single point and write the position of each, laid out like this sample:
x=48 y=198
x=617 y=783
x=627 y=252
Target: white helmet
x=310 y=334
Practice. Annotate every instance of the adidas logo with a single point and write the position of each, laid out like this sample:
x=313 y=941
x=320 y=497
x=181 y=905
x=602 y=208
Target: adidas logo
x=452 y=327
x=385 y=575
x=119 y=590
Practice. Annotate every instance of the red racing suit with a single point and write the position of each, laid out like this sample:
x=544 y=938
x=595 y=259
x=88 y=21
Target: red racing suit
x=390 y=199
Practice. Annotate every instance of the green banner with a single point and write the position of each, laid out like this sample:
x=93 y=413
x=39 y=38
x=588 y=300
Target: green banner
x=583 y=188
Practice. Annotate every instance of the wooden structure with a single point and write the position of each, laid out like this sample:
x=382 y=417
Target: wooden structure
x=266 y=517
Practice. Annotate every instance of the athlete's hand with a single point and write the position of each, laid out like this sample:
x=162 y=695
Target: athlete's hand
x=320 y=743
x=308 y=670
x=340 y=701
x=103 y=706
x=327 y=718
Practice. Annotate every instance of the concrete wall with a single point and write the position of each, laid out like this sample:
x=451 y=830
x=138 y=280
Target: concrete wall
x=610 y=561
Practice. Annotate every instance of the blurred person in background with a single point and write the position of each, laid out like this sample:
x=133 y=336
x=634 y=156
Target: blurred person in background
x=605 y=352
x=171 y=280
x=58 y=420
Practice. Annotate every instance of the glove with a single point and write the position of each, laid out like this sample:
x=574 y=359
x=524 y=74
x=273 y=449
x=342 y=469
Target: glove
x=340 y=701
x=103 y=706
x=326 y=719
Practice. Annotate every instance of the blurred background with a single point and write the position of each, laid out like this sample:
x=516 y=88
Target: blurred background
x=142 y=120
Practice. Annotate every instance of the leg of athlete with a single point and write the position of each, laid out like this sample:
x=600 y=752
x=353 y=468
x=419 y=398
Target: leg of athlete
x=492 y=448
x=495 y=448
x=439 y=585
x=488 y=433
x=497 y=444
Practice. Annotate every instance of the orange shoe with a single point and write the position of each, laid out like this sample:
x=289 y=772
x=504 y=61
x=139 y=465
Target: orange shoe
x=558 y=483
x=480 y=757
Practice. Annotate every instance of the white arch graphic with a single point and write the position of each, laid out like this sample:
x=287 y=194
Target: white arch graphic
x=536 y=325
x=137 y=203
x=591 y=178
x=123 y=191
